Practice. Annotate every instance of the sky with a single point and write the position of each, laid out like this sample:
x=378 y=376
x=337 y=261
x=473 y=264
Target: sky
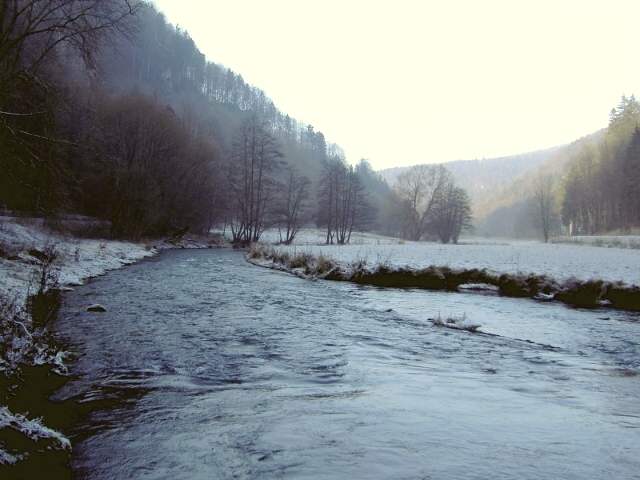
x=404 y=82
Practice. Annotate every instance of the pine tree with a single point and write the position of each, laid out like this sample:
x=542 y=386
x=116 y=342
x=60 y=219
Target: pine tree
x=631 y=168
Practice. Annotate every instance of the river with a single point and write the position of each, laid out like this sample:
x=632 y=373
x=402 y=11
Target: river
x=207 y=367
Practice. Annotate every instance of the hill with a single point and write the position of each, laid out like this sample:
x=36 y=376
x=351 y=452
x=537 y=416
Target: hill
x=500 y=188
x=483 y=177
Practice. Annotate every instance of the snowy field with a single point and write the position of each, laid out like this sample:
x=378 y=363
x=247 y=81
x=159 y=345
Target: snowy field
x=314 y=236
x=608 y=241
x=559 y=261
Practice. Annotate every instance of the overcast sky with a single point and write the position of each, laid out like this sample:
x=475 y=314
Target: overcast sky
x=403 y=82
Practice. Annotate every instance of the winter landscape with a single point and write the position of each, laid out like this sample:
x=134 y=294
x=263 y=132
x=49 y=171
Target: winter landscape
x=195 y=284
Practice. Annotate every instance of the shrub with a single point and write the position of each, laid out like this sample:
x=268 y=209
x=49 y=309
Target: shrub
x=324 y=265
x=300 y=260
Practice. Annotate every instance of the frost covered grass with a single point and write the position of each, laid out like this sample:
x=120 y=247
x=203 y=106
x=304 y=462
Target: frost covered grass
x=33 y=430
x=314 y=236
x=301 y=263
x=574 y=292
x=77 y=258
x=24 y=339
x=558 y=261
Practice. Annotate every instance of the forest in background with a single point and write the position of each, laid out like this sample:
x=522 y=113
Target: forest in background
x=591 y=186
x=109 y=111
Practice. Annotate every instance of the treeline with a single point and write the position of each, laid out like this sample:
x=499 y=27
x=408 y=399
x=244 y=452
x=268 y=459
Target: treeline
x=601 y=191
x=108 y=110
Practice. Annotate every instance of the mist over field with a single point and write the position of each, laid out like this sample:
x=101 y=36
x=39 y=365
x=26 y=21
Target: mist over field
x=264 y=239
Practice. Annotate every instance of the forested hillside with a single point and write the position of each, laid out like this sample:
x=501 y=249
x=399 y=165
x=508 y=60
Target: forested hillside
x=510 y=211
x=482 y=178
x=592 y=184
x=601 y=188
x=108 y=110
x=115 y=113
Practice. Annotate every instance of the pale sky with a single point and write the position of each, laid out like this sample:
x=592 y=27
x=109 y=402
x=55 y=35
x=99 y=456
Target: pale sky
x=403 y=82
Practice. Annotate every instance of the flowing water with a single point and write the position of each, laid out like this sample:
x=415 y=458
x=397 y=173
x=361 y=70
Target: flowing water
x=214 y=368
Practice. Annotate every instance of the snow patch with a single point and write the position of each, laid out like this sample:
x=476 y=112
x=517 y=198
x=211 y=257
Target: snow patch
x=33 y=429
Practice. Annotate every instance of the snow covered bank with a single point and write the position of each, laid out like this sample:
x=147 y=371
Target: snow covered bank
x=557 y=261
x=78 y=258
x=574 y=292
x=36 y=263
x=29 y=250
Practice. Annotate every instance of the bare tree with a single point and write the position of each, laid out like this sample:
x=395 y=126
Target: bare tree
x=143 y=171
x=343 y=206
x=291 y=205
x=418 y=189
x=36 y=38
x=31 y=31
x=327 y=195
x=255 y=157
x=544 y=204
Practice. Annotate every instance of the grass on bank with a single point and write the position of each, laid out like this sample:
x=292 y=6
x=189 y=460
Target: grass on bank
x=578 y=293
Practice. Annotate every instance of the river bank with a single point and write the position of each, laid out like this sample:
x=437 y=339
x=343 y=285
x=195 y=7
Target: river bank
x=592 y=293
x=37 y=264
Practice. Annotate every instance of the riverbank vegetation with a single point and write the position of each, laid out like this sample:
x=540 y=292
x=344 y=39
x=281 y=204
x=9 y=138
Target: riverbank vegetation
x=573 y=292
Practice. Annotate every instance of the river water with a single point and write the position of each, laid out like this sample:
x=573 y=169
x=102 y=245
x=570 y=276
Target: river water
x=208 y=367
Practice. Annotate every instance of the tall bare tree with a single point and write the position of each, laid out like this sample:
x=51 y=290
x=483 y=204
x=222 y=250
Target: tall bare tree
x=291 y=205
x=254 y=160
x=143 y=171
x=418 y=189
x=31 y=31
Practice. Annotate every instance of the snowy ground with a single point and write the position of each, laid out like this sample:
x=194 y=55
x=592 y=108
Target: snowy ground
x=609 y=241
x=80 y=258
x=314 y=236
x=559 y=261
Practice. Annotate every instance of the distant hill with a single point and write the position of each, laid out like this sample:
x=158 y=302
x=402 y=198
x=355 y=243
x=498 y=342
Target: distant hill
x=505 y=212
x=482 y=178
x=500 y=188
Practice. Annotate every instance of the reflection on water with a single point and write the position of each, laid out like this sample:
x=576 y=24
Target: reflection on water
x=225 y=370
